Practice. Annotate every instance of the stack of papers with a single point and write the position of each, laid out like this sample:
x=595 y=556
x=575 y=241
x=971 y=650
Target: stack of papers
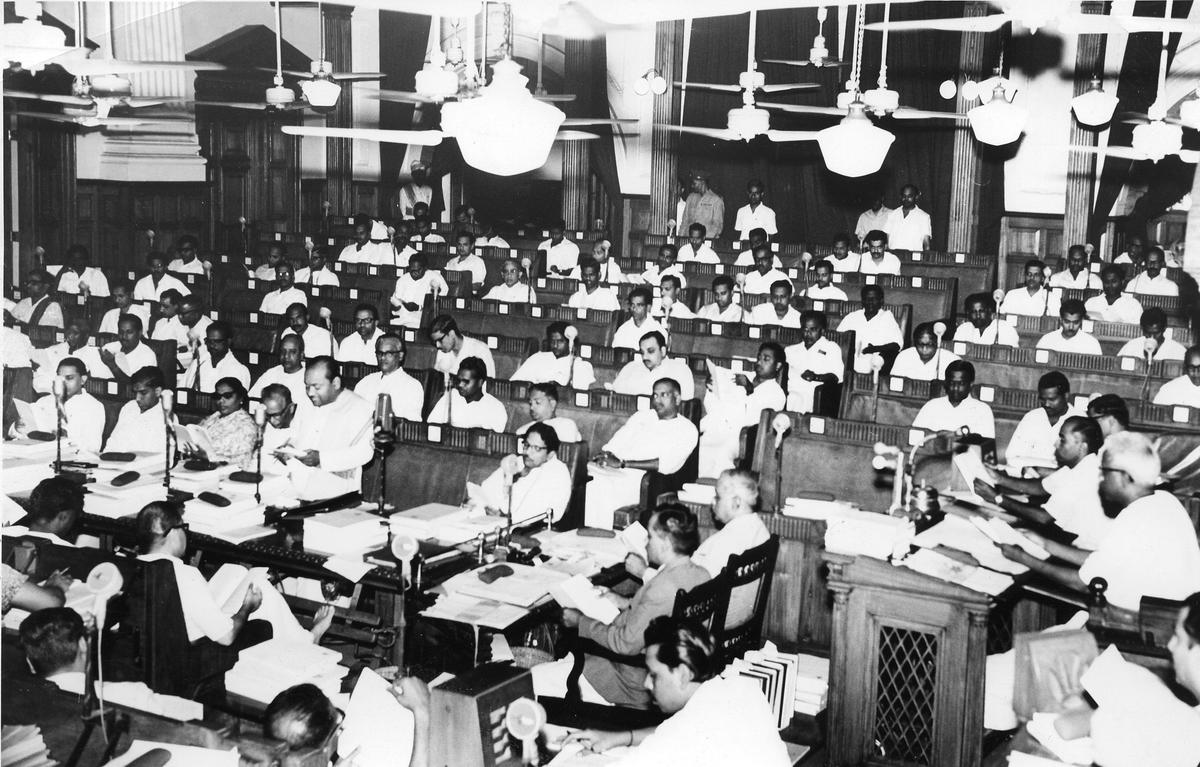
x=444 y=523
x=116 y=502
x=962 y=534
x=811 y=508
x=812 y=684
x=870 y=534
x=952 y=571
x=1078 y=751
x=703 y=495
x=1002 y=532
x=267 y=669
x=792 y=683
x=346 y=531
x=573 y=547
x=475 y=612
x=524 y=588
x=577 y=592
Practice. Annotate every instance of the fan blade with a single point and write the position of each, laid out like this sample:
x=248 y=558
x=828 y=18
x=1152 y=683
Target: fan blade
x=404 y=97
x=234 y=104
x=53 y=116
x=1121 y=152
x=1140 y=118
x=74 y=101
x=555 y=97
x=583 y=122
x=971 y=24
x=344 y=77
x=89 y=67
x=790 y=87
x=417 y=137
x=721 y=133
x=709 y=87
x=906 y=113
x=90 y=121
x=789 y=62
x=804 y=110
x=575 y=135
x=1135 y=24
x=149 y=101
x=792 y=135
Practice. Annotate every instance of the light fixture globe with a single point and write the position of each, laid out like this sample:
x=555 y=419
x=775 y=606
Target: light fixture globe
x=435 y=81
x=320 y=93
x=1094 y=107
x=279 y=95
x=31 y=44
x=856 y=146
x=1156 y=140
x=881 y=100
x=505 y=131
x=658 y=85
x=998 y=122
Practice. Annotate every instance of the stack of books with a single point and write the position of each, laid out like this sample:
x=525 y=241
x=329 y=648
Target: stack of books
x=793 y=683
x=267 y=669
x=869 y=534
x=344 y=532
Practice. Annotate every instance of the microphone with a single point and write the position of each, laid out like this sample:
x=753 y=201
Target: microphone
x=510 y=467
x=167 y=401
x=781 y=424
x=876 y=367
x=671 y=227
x=571 y=333
x=998 y=297
x=57 y=386
x=1149 y=346
x=309 y=245
x=805 y=259
x=939 y=332
x=383 y=415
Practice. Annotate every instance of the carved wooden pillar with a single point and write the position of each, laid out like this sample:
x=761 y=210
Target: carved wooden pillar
x=577 y=55
x=1081 y=166
x=664 y=163
x=964 y=184
x=339 y=159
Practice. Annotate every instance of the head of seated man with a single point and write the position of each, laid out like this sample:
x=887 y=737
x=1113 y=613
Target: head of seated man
x=146 y=385
x=129 y=332
x=539 y=444
x=464 y=244
x=980 y=309
x=600 y=250
x=1035 y=275
x=168 y=303
x=872 y=300
x=297 y=318
x=37 y=284
x=472 y=377
x=1185 y=646
x=653 y=349
x=323 y=380
x=1156 y=261
x=277 y=256
x=722 y=288
x=291 y=353
x=960 y=377
x=876 y=242
x=54 y=641
x=841 y=245
x=285 y=278
x=668 y=254
x=511 y=272
x=74 y=375
x=1054 y=394
x=390 y=351
x=277 y=402
x=556 y=339
x=444 y=333
x=589 y=273
x=639 y=304
x=671 y=291
x=764 y=260
x=1070 y=317
x=1112 y=282
x=781 y=296
x=55 y=506
x=160 y=529
x=680 y=656
x=1111 y=412
x=665 y=399
x=696 y=235
x=543 y=401
x=121 y=292
x=758 y=237
x=303 y=718
x=674 y=534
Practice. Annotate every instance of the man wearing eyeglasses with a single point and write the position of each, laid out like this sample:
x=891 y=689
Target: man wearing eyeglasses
x=37 y=307
x=359 y=346
x=407 y=393
x=539 y=482
x=216 y=361
x=1150 y=549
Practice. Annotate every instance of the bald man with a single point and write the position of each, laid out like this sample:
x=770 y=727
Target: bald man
x=1184 y=390
x=289 y=371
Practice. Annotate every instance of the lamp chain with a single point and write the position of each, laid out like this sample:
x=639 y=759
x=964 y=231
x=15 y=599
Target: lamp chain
x=856 y=70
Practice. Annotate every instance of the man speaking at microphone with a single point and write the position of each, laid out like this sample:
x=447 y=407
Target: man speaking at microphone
x=332 y=440
x=82 y=414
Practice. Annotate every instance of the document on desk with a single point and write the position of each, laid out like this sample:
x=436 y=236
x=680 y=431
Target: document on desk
x=1077 y=751
x=349 y=568
x=34 y=418
x=461 y=608
x=943 y=568
x=574 y=755
x=376 y=724
x=959 y=533
x=524 y=588
x=578 y=593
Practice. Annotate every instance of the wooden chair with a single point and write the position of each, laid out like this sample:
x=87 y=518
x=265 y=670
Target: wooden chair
x=748 y=575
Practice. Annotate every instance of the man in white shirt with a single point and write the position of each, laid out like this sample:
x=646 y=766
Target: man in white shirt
x=722 y=309
x=734 y=401
x=1032 y=443
x=190 y=330
x=639 y=375
x=1032 y=299
x=491 y=238
x=78 y=277
x=359 y=346
x=670 y=302
x=875 y=217
x=1154 y=343
x=877 y=334
x=764 y=275
x=982 y=326
x=608 y=269
x=754 y=214
x=1113 y=305
x=844 y=258
x=127 y=354
x=1135 y=252
x=187 y=263
x=667 y=257
x=659 y=439
x=289 y=372
x=318 y=339
x=333 y=440
x=957 y=409
x=559 y=364
x=276 y=255
x=541 y=485
x=16 y=351
x=908 y=227
x=591 y=294
x=758 y=238
x=406 y=392
x=285 y=293
x=318 y=272
x=1150 y=549
x=824 y=289
x=515 y=289
x=453 y=347
x=877 y=259
x=467 y=405
x=1070 y=336
x=696 y=248
x=543 y=408
x=561 y=254
x=924 y=360
x=82 y=414
x=814 y=362
x=1077 y=275
x=166 y=327
x=1184 y=390
x=38 y=307
x=153 y=285
x=734 y=508
x=75 y=344
x=1154 y=281
x=361 y=250
x=465 y=260
x=779 y=310
x=122 y=298
x=629 y=335
x=412 y=287
x=140 y=422
x=216 y=361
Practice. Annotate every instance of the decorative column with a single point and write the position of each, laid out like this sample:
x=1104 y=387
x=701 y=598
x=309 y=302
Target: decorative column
x=577 y=54
x=339 y=158
x=664 y=164
x=964 y=179
x=1081 y=166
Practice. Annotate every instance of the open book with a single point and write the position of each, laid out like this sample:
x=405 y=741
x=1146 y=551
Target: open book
x=196 y=437
x=228 y=586
x=35 y=418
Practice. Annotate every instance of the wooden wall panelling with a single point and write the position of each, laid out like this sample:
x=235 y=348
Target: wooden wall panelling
x=367 y=197
x=46 y=158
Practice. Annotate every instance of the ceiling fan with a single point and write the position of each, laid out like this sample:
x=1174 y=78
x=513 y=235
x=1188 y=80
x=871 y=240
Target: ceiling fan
x=818 y=54
x=94 y=120
x=277 y=98
x=746 y=122
x=1063 y=16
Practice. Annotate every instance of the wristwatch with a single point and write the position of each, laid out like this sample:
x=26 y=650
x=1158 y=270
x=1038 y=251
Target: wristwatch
x=997 y=500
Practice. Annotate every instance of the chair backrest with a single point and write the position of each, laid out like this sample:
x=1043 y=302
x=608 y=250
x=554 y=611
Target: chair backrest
x=703 y=603
x=749 y=577
x=155 y=615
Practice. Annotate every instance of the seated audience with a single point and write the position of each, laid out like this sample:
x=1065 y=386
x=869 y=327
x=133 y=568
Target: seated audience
x=667 y=256
x=1134 y=253
x=190 y=331
x=82 y=414
x=515 y=288
x=188 y=262
x=924 y=360
x=1113 y=305
x=140 y=422
x=779 y=310
x=1150 y=550
x=407 y=393
x=824 y=289
x=538 y=480
x=127 y=353
x=608 y=272
x=815 y=361
x=318 y=339
x=1070 y=336
x=276 y=255
x=877 y=334
x=1184 y=390
x=122 y=298
x=231 y=431
x=1111 y=412
x=398 y=252
x=167 y=326
x=1033 y=299
x=591 y=294
x=359 y=346
x=77 y=276
x=697 y=248
x=755 y=214
x=739 y=402
x=723 y=308
x=714 y=720
x=562 y=255
x=957 y=409
x=1154 y=344
x=982 y=326
x=543 y=408
x=659 y=439
x=559 y=363
x=285 y=293
x=491 y=237
x=876 y=258
x=468 y=405
x=215 y=361
x=453 y=347
x=74 y=344
x=465 y=259
x=638 y=376
x=908 y=227
x=289 y=372
x=412 y=287
x=763 y=276
x=670 y=302
x=361 y=250
x=629 y=335
x=844 y=258
x=38 y=307
x=674 y=535
x=1153 y=280
x=153 y=285
x=1077 y=275
x=758 y=238
x=318 y=272
x=1032 y=443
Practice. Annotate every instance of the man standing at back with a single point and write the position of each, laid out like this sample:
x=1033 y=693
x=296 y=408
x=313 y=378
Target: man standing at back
x=704 y=206
x=908 y=227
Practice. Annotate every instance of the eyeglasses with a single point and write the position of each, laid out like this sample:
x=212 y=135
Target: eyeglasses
x=535 y=448
x=1106 y=469
x=365 y=321
x=226 y=394
x=379 y=353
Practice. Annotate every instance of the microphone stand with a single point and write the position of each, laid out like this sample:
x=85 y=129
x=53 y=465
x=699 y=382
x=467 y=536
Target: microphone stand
x=58 y=416
x=1146 y=380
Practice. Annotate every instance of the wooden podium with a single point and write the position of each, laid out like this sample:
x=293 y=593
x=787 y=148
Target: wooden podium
x=907 y=667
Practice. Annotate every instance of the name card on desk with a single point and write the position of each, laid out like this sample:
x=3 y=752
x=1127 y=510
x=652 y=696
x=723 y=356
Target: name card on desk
x=1011 y=319
x=583 y=399
x=793 y=273
x=253 y=318
x=541 y=282
x=434 y=432
x=818 y=306
x=838 y=277
x=503 y=308
x=960 y=258
x=896 y=383
x=535 y=311
x=915 y=437
x=329 y=240
x=917 y=282
x=643 y=402
x=987 y=394
x=755 y=331
x=1181 y=414
x=353 y=294
x=111 y=388
x=512 y=252
x=816 y=425
x=1041 y=355
x=719 y=268
x=493 y=342
x=278 y=236
x=251 y=283
x=372 y=271
x=253 y=356
x=182 y=396
x=868 y=279
x=960 y=348
x=580 y=313
x=460 y=303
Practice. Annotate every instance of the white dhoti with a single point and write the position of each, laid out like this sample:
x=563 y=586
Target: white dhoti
x=274 y=609
x=609 y=490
